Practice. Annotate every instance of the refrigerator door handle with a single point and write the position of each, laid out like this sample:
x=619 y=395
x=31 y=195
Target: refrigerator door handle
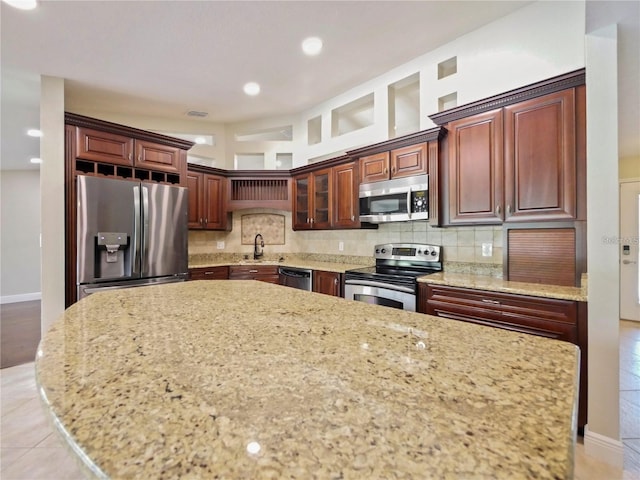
x=136 y=230
x=145 y=231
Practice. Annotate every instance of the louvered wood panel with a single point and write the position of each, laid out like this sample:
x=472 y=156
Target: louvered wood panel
x=259 y=193
x=542 y=255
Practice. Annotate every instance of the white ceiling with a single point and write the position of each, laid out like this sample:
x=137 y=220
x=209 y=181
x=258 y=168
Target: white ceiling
x=164 y=58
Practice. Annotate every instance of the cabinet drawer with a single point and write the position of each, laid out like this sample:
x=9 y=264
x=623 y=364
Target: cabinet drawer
x=539 y=316
x=264 y=273
x=209 y=273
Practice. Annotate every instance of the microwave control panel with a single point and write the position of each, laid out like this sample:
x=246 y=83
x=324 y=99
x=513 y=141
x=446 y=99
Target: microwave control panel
x=419 y=201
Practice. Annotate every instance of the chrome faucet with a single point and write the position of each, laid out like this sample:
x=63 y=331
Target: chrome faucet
x=257 y=249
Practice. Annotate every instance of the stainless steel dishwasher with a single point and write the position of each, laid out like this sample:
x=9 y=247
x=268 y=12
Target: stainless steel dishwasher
x=300 y=278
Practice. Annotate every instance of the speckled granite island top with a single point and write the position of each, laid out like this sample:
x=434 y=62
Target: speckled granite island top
x=243 y=379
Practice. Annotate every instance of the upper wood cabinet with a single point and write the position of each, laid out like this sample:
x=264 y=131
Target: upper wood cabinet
x=401 y=162
x=476 y=168
x=117 y=149
x=345 y=196
x=519 y=156
x=374 y=168
x=312 y=196
x=517 y=163
x=102 y=146
x=157 y=157
x=540 y=158
x=207 y=194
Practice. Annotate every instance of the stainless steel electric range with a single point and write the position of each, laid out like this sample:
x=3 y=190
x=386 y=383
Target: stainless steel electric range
x=392 y=282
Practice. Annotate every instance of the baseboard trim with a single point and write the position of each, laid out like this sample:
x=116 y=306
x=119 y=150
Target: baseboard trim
x=603 y=448
x=24 y=297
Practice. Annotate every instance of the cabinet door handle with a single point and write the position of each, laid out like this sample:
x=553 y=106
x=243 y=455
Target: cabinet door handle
x=508 y=209
x=498 y=209
x=129 y=156
x=386 y=170
x=353 y=218
x=206 y=220
x=393 y=169
x=139 y=158
x=492 y=302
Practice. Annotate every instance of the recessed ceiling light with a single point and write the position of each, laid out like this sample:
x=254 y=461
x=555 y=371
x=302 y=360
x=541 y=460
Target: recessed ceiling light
x=251 y=88
x=34 y=132
x=22 y=4
x=36 y=160
x=311 y=46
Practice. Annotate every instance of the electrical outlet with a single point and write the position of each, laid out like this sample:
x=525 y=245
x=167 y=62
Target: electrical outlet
x=221 y=245
x=487 y=249
x=341 y=246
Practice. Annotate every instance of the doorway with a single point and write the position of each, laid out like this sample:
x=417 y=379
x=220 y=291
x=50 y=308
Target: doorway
x=628 y=244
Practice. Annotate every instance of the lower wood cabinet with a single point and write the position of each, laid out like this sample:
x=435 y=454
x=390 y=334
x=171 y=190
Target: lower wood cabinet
x=329 y=283
x=209 y=273
x=263 y=273
x=553 y=318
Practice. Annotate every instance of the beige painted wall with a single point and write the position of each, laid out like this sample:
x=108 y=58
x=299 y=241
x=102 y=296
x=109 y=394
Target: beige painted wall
x=460 y=244
x=52 y=199
x=629 y=168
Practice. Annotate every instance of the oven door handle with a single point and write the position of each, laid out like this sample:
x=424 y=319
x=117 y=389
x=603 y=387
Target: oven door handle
x=369 y=283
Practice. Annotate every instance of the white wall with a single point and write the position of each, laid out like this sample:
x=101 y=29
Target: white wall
x=20 y=246
x=603 y=430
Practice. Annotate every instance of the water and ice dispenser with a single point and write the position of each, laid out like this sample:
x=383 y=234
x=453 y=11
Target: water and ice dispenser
x=113 y=255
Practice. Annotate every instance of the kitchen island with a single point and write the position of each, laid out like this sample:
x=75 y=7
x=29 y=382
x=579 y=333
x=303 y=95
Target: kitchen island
x=243 y=379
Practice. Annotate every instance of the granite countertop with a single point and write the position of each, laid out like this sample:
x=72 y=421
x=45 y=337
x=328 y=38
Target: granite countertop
x=297 y=262
x=244 y=379
x=485 y=282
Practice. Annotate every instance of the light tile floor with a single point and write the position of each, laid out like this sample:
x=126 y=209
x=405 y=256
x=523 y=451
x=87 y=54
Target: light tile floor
x=30 y=450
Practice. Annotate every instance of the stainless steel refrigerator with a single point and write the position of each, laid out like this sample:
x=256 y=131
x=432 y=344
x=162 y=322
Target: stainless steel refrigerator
x=129 y=234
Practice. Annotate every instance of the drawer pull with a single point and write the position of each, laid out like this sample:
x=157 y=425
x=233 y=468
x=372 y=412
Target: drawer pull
x=209 y=273
x=253 y=271
x=492 y=302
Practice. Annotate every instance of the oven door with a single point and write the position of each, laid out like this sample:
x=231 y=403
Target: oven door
x=384 y=294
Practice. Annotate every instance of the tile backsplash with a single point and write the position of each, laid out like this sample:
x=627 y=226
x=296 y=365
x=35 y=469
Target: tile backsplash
x=462 y=246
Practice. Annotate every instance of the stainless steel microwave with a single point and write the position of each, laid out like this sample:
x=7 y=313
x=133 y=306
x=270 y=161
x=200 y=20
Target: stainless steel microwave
x=396 y=200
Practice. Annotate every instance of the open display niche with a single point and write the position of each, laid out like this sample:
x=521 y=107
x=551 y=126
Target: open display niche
x=404 y=106
x=353 y=116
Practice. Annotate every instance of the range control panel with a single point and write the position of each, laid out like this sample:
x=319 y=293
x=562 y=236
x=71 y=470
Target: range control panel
x=408 y=251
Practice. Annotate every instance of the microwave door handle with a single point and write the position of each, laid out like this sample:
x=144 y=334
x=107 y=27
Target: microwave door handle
x=409 y=207
x=136 y=230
